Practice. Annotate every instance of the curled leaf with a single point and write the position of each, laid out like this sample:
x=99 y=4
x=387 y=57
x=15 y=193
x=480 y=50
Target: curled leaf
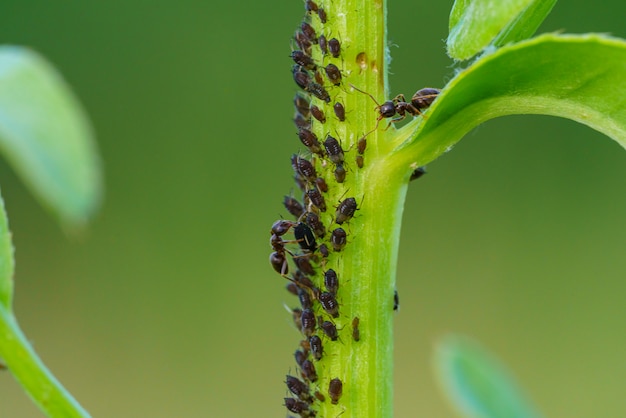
x=579 y=77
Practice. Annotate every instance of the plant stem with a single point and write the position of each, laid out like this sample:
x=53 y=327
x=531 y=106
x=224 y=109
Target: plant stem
x=367 y=265
x=29 y=370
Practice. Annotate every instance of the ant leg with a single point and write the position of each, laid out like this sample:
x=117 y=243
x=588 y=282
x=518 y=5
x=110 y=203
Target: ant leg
x=399 y=98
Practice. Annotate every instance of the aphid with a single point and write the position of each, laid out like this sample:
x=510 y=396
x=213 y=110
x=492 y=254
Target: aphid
x=396 y=301
x=361 y=145
x=319 y=396
x=356 y=334
x=308 y=322
x=323 y=43
x=317 y=199
x=300 y=182
x=301 y=280
x=359 y=161
x=298 y=407
x=324 y=251
x=301 y=121
x=303 y=42
x=329 y=303
x=335 y=153
x=304 y=265
x=308 y=371
x=304 y=60
x=316 y=347
x=333 y=74
x=334 y=47
x=318 y=91
x=314 y=222
x=309 y=32
x=307 y=304
x=310 y=6
x=335 y=389
x=338 y=239
x=423 y=98
x=296 y=314
x=301 y=104
x=329 y=329
x=417 y=173
x=292 y=288
x=309 y=139
x=318 y=77
x=300 y=356
x=318 y=114
x=321 y=185
x=293 y=206
x=340 y=111
x=345 y=210
x=301 y=76
x=303 y=167
x=322 y=15
x=298 y=388
x=340 y=173
x=331 y=282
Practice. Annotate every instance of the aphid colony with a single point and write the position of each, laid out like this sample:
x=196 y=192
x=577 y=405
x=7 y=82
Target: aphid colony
x=303 y=247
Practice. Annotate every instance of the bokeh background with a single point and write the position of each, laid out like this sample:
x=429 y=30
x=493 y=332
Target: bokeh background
x=167 y=307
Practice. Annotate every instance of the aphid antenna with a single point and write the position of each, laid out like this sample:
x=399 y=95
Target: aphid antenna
x=344 y=193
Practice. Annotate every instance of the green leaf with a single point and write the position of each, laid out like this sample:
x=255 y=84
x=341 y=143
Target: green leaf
x=45 y=134
x=475 y=24
x=476 y=383
x=526 y=23
x=7 y=262
x=579 y=77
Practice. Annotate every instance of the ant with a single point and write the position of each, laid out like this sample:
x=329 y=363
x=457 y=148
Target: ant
x=421 y=100
x=304 y=237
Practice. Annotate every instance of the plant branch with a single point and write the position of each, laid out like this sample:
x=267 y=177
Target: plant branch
x=49 y=395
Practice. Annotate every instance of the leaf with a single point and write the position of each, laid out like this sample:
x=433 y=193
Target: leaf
x=7 y=261
x=526 y=23
x=475 y=24
x=476 y=383
x=46 y=136
x=579 y=77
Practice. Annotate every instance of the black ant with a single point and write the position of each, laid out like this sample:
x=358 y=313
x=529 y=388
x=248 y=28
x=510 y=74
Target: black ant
x=304 y=237
x=421 y=100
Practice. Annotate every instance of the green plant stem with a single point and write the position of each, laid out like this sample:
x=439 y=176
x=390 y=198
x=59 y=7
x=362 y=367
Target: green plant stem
x=367 y=265
x=29 y=370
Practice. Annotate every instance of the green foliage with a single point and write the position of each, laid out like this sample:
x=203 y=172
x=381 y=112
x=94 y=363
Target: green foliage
x=475 y=24
x=477 y=383
x=7 y=262
x=45 y=134
x=579 y=77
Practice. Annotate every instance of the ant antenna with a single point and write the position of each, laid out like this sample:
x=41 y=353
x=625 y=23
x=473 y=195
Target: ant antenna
x=364 y=92
x=378 y=106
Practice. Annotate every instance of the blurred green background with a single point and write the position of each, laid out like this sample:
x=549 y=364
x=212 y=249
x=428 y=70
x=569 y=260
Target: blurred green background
x=167 y=306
